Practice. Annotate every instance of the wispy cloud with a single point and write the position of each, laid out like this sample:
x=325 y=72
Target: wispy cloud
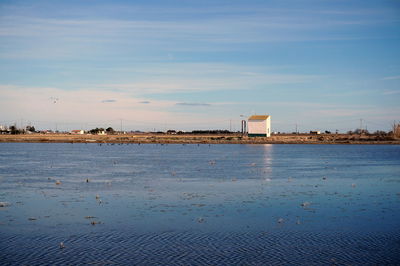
x=109 y=101
x=391 y=78
x=193 y=104
x=391 y=92
x=201 y=77
x=205 y=29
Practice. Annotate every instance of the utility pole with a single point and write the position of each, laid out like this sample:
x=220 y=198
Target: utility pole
x=360 y=125
x=120 y=126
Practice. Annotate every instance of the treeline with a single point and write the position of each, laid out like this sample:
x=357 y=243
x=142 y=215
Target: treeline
x=211 y=132
x=366 y=132
x=13 y=130
x=196 y=132
x=97 y=130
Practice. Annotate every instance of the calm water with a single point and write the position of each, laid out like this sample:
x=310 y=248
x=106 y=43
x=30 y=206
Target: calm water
x=199 y=204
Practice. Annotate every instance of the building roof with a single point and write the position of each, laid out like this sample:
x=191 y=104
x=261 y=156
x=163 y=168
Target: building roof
x=258 y=117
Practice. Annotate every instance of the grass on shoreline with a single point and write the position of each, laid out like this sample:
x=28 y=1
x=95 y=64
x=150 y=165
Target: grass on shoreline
x=202 y=139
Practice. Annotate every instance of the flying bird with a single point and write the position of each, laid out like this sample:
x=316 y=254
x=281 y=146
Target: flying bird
x=54 y=99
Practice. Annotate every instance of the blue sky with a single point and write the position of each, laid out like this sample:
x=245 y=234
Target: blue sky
x=200 y=64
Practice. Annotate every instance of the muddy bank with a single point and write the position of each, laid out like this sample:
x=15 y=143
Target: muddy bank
x=202 y=139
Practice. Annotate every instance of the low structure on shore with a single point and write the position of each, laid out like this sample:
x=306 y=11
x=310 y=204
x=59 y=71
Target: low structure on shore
x=77 y=132
x=259 y=126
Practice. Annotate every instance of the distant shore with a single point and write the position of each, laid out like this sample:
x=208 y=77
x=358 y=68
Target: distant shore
x=201 y=139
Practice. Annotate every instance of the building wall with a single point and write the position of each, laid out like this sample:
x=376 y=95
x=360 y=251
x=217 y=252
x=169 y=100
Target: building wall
x=257 y=126
x=260 y=127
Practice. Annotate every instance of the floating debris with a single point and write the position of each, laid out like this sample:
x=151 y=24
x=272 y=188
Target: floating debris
x=32 y=219
x=305 y=204
x=58 y=182
x=87 y=180
x=89 y=217
x=324 y=178
x=298 y=222
x=94 y=222
x=353 y=185
x=62 y=245
x=201 y=220
x=253 y=164
x=280 y=220
x=212 y=162
x=4 y=204
x=97 y=196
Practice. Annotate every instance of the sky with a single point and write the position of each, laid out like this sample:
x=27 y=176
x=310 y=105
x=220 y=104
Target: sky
x=193 y=65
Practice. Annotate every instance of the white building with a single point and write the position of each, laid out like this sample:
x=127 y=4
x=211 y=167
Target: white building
x=77 y=132
x=259 y=126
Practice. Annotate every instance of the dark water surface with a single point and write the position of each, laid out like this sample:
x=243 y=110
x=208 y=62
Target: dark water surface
x=199 y=204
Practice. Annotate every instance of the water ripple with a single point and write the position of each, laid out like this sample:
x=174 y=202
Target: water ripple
x=190 y=248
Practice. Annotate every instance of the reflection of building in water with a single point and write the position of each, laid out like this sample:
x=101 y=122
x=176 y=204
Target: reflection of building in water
x=259 y=126
x=267 y=167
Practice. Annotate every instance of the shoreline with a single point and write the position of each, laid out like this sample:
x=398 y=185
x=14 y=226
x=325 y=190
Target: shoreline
x=148 y=138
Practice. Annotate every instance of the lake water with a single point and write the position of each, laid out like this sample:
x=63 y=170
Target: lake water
x=199 y=204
